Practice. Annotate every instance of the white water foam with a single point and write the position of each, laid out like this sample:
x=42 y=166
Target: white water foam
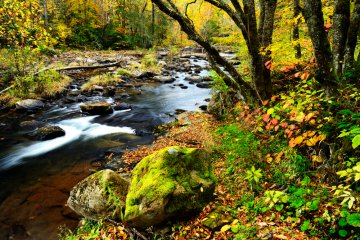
x=78 y=128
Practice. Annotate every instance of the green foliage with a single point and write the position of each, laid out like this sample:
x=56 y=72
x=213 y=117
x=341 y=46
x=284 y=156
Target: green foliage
x=253 y=175
x=353 y=220
x=89 y=229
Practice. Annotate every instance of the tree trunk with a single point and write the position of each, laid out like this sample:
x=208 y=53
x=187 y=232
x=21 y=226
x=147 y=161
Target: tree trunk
x=352 y=38
x=296 y=34
x=315 y=22
x=266 y=33
x=341 y=21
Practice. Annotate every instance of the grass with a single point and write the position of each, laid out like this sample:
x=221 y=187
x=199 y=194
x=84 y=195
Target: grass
x=101 y=80
x=47 y=84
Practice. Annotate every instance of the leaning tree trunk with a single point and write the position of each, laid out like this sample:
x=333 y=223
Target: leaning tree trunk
x=315 y=22
x=352 y=38
x=341 y=21
x=234 y=79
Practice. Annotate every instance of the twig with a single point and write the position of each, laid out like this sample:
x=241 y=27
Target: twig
x=139 y=234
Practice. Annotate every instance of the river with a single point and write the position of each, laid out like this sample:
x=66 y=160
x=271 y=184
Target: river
x=36 y=176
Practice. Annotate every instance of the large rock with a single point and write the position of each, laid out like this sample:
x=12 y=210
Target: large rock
x=164 y=79
x=48 y=133
x=29 y=105
x=101 y=195
x=175 y=181
x=97 y=108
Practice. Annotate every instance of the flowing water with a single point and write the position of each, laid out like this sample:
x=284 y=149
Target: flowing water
x=36 y=176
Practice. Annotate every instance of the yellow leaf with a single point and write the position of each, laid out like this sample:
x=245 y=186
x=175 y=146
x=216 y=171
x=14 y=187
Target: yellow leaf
x=298 y=140
x=300 y=117
x=312 y=141
x=322 y=137
x=316 y=158
x=225 y=228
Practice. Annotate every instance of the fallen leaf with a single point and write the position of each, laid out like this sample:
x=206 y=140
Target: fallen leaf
x=266 y=117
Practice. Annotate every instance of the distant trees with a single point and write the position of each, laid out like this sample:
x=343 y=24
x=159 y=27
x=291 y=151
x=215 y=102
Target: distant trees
x=95 y=23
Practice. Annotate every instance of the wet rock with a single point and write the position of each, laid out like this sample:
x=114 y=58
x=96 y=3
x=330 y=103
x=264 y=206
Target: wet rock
x=122 y=96
x=203 y=85
x=164 y=79
x=194 y=79
x=179 y=111
x=122 y=106
x=184 y=87
x=29 y=105
x=31 y=124
x=207 y=100
x=48 y=133
x=100 y=195
x=146 y=75
x=175 y=181
x=97 y=108
x=206 y=79
x=203 y=107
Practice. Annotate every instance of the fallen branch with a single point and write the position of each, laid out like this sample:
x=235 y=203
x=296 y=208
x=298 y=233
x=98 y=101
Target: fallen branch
x=5 y=89
x=115 y=64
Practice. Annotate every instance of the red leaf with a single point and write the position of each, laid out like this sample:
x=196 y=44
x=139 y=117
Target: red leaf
x=265 y=102
x=266 y=117
x=274 y=121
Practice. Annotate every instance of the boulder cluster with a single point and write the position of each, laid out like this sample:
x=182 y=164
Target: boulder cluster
x=173 y=182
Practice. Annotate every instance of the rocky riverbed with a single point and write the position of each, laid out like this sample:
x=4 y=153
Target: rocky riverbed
x=38 y=171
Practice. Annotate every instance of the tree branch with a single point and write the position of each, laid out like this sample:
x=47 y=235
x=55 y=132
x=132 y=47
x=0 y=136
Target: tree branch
x=79 y=68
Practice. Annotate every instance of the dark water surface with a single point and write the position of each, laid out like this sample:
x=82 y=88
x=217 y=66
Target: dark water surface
x=36 y=177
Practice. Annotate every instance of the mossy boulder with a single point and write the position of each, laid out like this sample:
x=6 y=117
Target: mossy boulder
x=101 y=195
x=175 y=181
x=97 y=108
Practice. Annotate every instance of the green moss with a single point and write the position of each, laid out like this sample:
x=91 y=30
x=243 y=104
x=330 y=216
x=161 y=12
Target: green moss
x=159 y=175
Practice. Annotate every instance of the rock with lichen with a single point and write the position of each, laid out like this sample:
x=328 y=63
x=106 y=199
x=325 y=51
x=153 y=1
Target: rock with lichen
x=48 y=133
x=175 y=181
x=97 y=108
x=101 y=195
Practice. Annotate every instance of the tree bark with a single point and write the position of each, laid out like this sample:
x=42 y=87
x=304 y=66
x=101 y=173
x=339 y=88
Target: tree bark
x=315 y=22
x=341 y=21
x=266 y=33
x=352 y=38
x=296 y=34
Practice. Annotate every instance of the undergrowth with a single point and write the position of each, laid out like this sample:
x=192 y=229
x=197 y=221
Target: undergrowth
x=293 y=165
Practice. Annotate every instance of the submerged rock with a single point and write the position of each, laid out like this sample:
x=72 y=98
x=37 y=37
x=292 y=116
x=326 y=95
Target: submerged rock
x=97 y=108
x=101 y=195
x=29 y=105
x=48 y=133
x=203 y=85
x=175 y=181
x=122 y=106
